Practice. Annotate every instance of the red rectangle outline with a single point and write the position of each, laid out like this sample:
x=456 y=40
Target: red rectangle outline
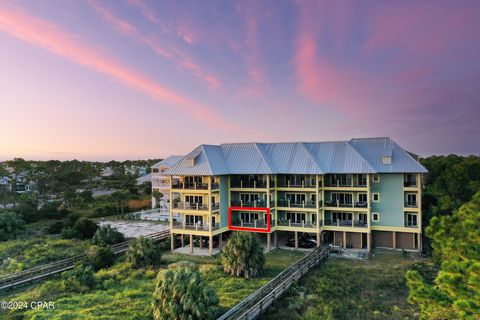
x=230 y=227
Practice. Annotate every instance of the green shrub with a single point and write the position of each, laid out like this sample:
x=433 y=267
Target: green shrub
x=144 y=252
x=69 y=233
x=11 y=224
x=104 y=209
x=80 y=279
x=54 y=228
x=50 y=210
x=28 y=210
x=183 y=294
x=100 y=257
x=243 y=255
x=71 y=218
x=107 y=235
x=85 y=228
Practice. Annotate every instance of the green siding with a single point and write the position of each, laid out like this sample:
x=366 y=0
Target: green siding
x=224 y=201
x=390 y=206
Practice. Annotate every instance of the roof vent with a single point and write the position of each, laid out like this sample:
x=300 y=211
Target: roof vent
x=387 y=159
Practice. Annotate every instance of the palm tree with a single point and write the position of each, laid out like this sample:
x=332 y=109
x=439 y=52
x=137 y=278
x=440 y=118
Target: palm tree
x=144 y=252
x=243 y=255
x=157 y=195
x=183 y=294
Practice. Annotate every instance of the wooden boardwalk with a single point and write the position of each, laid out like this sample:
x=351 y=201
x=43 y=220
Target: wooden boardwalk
x=259 y=301
x=42 y=272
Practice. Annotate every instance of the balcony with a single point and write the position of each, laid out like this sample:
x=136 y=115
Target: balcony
x=298 y=224
x=300 y=184
x=295 y=204
x=250 y=204
x=411 y=205
x=410 y=183
x=411 y=225
x=190 y=185
x=260 y=224
x=215 y=186
x=346 y=223
x=253 y=184
x=194 y=206
x=337 y=204
x=347 y=183
x=197 y=226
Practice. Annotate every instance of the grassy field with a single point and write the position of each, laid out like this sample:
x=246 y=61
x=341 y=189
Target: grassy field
x=16 y=255
x=125 y=293
x=350 y=289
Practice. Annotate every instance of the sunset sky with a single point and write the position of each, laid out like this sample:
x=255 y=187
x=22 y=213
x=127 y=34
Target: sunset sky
x=133 y=79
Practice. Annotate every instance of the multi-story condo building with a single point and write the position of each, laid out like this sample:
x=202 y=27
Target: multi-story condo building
x=161 y=182
x=355 y=194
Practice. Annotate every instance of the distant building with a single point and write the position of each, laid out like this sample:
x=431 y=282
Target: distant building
x=21 y=184
x=144 y=178
x=161 y=182
x=359 y=194
x=107 y=172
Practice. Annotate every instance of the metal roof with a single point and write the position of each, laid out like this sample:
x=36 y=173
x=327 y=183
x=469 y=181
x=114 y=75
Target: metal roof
x=373 y=149
x=167 y=162
x=354 y=156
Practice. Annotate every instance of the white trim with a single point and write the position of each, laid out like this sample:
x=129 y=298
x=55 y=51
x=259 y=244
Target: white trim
x=376 y=175
x=378 y=216
x=378 y=197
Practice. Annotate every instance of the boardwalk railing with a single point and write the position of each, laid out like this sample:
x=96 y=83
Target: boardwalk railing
x=259 y=301
x=44 y=271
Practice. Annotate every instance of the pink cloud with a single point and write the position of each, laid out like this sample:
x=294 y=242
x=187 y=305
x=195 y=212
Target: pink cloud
x=321 y=78
x=167 y=51
x=249 y=49
x=419 y=30
x=51 y=37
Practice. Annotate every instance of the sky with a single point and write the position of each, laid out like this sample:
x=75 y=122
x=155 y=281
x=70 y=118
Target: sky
x=136 y=79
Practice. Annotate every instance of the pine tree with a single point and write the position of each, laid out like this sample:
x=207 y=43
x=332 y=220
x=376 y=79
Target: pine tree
x=455 y=292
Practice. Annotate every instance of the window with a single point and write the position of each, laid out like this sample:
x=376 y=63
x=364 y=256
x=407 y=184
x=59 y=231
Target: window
x=376 y=178
x=342 y=199
x=194 y=199
x=249 y=197
x=249 y=217
x=375 y=216
x=296 y=198
x=193 y=220
x=362 y=198
x=362 y=180
x=296 y=217
x=342 y=216
x=376 y=197
x=411 y=220
x=411 y=200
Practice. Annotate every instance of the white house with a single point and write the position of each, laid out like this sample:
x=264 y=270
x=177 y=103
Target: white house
x=160 y=182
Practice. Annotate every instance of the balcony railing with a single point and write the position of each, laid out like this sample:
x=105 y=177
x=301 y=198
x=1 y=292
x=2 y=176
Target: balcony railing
x=295 y=204
x=251 y=204
x=194 y=206
x=248 y=184
x=190 y=206
x=339 y=183
x=261 y=224
x=410 y=183
x=410 y=225
x=337 y=204
x=302 y=224
x=178 y=225
x=346 y=223
x=300 y=184
x=215 y=186
x=190 y=185
x=411 y=205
